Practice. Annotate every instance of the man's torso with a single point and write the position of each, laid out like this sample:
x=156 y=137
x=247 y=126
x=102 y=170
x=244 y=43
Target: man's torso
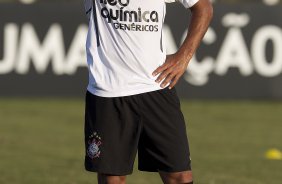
x=124 y=46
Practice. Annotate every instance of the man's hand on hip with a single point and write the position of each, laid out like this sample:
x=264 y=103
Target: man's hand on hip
x=172 y=70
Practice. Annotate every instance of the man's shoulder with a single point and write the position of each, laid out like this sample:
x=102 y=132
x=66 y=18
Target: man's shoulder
x=170 y=1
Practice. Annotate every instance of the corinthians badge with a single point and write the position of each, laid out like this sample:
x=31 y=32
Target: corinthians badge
x=94 y=142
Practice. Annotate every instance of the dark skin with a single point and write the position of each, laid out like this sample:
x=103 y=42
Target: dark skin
x=170 y=72
x=176 y=64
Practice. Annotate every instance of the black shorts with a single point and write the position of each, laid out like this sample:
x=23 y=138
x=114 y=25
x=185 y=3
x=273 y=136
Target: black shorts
x=152 y=123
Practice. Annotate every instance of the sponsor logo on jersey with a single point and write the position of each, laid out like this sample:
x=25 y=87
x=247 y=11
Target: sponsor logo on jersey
x=115 y=11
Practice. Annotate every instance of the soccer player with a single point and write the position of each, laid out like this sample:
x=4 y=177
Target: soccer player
x=131 y=102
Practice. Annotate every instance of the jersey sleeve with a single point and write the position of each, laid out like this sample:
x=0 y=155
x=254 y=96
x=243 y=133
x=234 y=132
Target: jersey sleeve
x=186 y=3
x=88 y=5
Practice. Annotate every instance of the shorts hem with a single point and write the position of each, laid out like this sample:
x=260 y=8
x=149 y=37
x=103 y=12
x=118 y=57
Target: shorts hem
x=114 y=173
x=164 y=170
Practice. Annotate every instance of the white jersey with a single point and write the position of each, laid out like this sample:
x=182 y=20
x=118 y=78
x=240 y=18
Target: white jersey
x=125 y=45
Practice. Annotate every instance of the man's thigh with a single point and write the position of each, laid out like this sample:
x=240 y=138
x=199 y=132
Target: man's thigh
x=163 y=144
x=112 y=130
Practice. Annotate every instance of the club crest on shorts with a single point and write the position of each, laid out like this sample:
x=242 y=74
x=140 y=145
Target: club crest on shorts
x=94 y=142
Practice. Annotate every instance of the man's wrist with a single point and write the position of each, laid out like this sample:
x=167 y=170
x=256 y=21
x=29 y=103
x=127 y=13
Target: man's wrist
x=185 y=55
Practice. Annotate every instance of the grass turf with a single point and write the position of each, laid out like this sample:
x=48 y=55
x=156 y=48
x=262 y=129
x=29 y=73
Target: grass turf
x=41 y=142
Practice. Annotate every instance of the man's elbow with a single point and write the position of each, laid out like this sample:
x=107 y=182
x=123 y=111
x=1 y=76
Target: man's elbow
x=209 y=10
x=204 y=8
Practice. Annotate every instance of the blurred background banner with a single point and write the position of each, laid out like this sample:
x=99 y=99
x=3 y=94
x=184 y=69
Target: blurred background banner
x=42 y=51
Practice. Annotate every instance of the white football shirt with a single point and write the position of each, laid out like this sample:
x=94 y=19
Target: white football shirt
x=125 y=45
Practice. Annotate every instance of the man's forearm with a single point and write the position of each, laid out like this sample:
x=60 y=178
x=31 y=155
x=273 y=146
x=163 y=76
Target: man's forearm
x=176 y=64
x=202 y=13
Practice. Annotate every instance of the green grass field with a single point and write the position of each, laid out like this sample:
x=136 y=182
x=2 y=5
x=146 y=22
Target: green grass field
x=41 y=142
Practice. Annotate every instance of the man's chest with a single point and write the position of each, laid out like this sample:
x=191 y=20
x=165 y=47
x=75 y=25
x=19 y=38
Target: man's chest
x=146 y=11
x=133 y=5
